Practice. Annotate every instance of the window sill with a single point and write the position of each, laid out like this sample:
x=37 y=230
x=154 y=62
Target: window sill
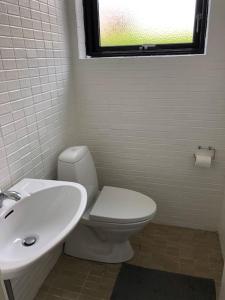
x=86 y=57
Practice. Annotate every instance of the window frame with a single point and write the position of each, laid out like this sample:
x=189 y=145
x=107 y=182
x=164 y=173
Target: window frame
x=92 y=36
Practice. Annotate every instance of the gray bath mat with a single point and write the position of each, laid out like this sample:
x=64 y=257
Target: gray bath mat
x=136 y=283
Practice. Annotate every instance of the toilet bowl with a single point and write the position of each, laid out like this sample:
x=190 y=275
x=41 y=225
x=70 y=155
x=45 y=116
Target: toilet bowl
x=112 y=215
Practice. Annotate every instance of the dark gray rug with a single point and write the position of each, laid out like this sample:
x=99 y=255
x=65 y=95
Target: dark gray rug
x=136 y=283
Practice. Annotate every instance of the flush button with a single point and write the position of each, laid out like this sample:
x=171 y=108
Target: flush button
x=29 y=241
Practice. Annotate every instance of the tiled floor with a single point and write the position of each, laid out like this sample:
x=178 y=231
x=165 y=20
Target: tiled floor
x=174 y=249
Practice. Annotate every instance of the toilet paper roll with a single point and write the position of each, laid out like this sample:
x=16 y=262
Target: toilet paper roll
x=203 y=161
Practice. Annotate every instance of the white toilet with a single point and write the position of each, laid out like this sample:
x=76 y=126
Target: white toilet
x=111 y=217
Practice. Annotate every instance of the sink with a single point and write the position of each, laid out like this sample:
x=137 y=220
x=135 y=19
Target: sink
x=42 y=219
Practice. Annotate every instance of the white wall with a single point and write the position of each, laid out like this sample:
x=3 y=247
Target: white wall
x=143 y=118
x=34 y=80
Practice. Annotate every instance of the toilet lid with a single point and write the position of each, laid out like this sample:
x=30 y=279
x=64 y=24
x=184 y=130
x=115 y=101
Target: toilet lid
x=116 y=205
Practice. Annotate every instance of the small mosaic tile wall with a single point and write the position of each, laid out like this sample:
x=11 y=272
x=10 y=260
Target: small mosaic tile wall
x=34 y=74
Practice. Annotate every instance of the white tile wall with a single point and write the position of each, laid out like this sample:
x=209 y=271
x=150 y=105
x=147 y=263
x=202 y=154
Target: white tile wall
x=34 y=73
x=143 y=119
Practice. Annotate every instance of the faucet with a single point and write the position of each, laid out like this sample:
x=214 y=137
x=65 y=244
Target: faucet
x=13 y=195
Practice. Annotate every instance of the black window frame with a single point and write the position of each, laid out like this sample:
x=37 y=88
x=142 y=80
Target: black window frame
x=92 y=36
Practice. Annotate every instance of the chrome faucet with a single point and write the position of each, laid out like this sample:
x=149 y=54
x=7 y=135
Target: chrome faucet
x=13 y=195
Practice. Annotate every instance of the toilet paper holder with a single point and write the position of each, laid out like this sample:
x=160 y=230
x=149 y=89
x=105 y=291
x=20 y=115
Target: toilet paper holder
x=211 y=149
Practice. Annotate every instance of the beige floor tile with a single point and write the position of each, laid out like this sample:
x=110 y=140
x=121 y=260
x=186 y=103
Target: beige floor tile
x=169 y=248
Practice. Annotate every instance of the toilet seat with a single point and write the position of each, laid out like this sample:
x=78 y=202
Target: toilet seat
x=122 y=206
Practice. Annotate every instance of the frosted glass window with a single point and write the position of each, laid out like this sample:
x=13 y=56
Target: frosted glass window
x=118 y=28
x=146 y=22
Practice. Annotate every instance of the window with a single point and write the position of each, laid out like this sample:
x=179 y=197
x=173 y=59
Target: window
x=145 y=27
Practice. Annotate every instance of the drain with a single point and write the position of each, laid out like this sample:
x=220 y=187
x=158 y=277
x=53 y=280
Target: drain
x=29 y=241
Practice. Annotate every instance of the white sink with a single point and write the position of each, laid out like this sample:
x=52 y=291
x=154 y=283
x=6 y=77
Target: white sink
x=47 y=212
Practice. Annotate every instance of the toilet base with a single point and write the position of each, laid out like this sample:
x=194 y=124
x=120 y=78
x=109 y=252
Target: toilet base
x=85 y=243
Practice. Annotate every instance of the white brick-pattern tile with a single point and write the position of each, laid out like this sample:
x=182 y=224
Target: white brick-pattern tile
x=143 y=118
x=34 y=72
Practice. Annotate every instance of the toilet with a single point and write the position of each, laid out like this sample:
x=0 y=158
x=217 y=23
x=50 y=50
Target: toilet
x=112 y=215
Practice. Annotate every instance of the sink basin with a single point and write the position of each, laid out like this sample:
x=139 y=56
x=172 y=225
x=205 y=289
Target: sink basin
x=46 y=214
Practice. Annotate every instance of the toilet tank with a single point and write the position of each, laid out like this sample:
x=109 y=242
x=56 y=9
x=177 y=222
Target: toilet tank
x=76 y=164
